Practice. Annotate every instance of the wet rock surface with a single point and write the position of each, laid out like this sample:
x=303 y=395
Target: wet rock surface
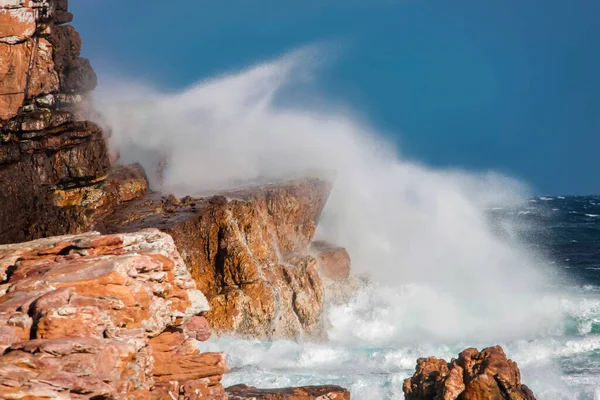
x=241 y=392
x=474 y=375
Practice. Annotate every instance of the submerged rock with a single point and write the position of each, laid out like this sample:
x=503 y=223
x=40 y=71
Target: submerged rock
x=242 y=392
x=475 y=375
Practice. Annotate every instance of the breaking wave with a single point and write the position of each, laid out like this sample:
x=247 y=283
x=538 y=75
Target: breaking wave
x=444 y=276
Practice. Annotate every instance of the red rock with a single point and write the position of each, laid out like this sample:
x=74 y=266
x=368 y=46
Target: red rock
x=55 y=368
x=241 y=392
x=333 y=261
x=247 y=250
x=176 y=358
x=474 y=376
x=197 y=327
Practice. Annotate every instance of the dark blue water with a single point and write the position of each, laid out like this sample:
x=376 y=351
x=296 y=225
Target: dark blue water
x=567 y=230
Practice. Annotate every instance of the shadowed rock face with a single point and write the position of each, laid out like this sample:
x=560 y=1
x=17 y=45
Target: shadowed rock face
x=89 y=315
x=241 y=392
x=474 y=376
x=247 y=250
x=45 y=146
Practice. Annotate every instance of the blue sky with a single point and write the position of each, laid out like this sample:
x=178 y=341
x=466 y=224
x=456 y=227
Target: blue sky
x=508 y=85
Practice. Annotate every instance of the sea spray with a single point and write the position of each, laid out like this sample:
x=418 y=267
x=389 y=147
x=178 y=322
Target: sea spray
x=442 y=276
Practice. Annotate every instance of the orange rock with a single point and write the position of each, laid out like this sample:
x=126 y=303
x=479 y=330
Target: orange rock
x=333 y=261
x=247 y=250
x=202 y=389
x=474 y=376
x=87 y=295
x=16 y=24
x=176 y=358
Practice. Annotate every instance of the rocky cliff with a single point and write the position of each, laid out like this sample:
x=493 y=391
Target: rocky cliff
x=48 y=154
x=247 y=250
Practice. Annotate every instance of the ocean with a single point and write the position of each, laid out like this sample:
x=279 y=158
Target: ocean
x=370 y=353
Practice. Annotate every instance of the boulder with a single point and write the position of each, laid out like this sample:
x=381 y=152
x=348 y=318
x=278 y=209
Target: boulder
x=474 y=376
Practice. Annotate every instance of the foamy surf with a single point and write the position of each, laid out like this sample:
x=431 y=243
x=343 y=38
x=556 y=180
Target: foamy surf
x=555 y=361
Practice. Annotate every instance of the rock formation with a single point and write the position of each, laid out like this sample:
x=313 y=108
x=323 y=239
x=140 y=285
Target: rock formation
x=47 y=152
x=243 y=392
x=248 y=251
x=85 y=315
x=474 y=376
x=114 y=316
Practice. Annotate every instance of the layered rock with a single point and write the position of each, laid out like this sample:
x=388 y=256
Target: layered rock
x=243 y=392
x=46 y=148
x=247 y=250
x=473 y=376
x=334 y=261
x=111 y=316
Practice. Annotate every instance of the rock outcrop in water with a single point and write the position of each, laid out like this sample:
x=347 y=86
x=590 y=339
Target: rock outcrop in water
x=474 y=375
x=112 y=316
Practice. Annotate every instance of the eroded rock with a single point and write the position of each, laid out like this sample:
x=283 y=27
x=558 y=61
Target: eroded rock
x=90 y=315
x=44 y=143
x=247 y=250
x=474 y=376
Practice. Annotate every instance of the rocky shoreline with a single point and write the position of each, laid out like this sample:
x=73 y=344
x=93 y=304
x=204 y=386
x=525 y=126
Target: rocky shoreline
x=108 y=289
